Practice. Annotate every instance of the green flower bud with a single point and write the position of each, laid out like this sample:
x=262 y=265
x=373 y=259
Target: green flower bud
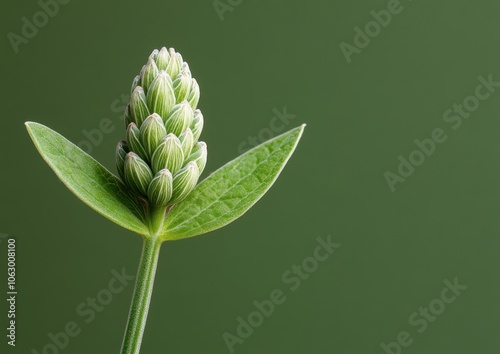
x=184 y=182
x=141 y=73
x=152 y=133
x=175 y=63
x=135 y=83
x=194 y=94
x=149 y=74
x=161 y=158
x=199 y=156
x=134 y=141
x=163 y=59
x=180 y=118
x=160 y=97
x=138 y=175
x=154 y=55
x=182 y=86
x=121 y=152
x=168 y=155
x=161 y=188
x=138 y=107
x=197 y=124
x=185 y=69
x=187 y=141
x=127 y=117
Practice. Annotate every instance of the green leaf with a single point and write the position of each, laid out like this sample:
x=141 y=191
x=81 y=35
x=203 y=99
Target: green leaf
x=230 y=191
x=88 y=179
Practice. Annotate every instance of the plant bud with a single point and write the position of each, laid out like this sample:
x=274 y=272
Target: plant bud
x=168 y=155
x=199 y=156
x=185 y=69
x=121 y=152
x=161 y=188
x=127 y=117
x=180 y=118
x=197 y=124
x=175 y=63
x=149 y=74
x=138 y=107
x=152 y=133
x=184 y=182
x=187 y=141
x=160 y=97
x=194 y=94
x=134 y=141
x=163 y=59
x=154 y=55
x=135 y=83
x=161 y=158
x=138 y=175
x=141 y=73
x=182 y=86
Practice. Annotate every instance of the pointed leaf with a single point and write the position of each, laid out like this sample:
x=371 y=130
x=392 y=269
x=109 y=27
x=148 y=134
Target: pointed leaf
x=88 y=179
x=230 y=191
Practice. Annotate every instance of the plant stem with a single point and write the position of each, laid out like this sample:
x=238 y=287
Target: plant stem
x=142 y=296
x=156 y=219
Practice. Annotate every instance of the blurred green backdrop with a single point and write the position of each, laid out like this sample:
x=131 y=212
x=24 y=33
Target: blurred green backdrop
x=253 y=59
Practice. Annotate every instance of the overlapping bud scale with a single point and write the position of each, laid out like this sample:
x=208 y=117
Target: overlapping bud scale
x=161 y=159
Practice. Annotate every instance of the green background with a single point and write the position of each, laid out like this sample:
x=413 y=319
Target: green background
x=397 y=247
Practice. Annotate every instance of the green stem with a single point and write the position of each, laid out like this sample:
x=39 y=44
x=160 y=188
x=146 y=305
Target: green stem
x=142 y=296
x=156 y=219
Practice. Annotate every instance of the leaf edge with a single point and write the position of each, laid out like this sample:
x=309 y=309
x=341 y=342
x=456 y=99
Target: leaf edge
x=28 y=124
x=300 y=128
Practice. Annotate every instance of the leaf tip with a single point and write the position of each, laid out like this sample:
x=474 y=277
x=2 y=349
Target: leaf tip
x=300 y=129
x=30 y=125
x=29 y=128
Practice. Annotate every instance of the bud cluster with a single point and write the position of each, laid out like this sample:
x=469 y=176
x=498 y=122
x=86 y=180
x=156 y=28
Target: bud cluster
x=161 y=158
